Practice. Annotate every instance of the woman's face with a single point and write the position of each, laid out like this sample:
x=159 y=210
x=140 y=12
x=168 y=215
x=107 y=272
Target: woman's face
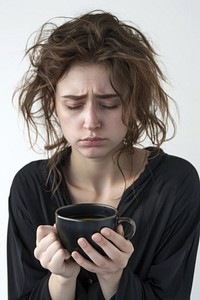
x=89 y=111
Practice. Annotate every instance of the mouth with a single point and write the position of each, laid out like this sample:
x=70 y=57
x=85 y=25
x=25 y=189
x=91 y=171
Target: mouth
x=92 y=141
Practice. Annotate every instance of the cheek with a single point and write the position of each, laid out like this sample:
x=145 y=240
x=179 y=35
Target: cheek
x=69 y=126
x=121 y=127
x=122 y=130
x=119 y=131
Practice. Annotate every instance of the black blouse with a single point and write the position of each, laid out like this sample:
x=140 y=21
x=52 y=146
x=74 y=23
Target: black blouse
x=165 y=204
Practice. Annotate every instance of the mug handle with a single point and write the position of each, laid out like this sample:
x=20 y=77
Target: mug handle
x=132 y=224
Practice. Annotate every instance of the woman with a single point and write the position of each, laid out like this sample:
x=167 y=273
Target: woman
x=94 y=88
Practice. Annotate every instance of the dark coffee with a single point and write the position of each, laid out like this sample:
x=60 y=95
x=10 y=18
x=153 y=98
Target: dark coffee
x=87 y=218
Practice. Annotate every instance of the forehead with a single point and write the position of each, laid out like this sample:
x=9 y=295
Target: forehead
x=86 y=76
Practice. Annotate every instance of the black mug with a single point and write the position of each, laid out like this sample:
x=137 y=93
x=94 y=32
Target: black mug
x=83 y=220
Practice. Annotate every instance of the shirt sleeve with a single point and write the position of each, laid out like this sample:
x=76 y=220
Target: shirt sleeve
x=27 y=279
x=170 y=275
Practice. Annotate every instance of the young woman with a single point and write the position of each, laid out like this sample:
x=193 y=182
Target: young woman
x=94 y=89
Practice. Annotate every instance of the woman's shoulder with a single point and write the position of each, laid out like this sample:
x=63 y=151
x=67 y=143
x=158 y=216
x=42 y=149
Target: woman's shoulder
x=180 y=165
x=174 y=168
x=176 y=179
x=170 y=160
x=33 y=171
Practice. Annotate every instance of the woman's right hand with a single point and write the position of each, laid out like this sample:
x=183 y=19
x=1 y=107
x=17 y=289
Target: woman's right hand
x=52 y=255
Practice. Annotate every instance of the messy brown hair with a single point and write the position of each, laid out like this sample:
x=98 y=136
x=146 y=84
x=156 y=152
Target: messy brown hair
x=95 y=38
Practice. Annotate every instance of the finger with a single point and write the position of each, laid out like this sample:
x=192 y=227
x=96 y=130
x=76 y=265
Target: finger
x=44 y=244
x=109 y=248
x=55 y=255
x=120 y=229
x=83 y=262
x=118 y=256
x=95 y=257
x=57 y=261
x=60 y=256
x=46 y=256
x=44 y=230
x=118 y=240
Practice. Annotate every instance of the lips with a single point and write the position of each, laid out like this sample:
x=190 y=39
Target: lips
x=92 y=141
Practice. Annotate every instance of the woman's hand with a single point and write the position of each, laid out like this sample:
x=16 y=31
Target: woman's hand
x=52 y=255
x=108 y=268
x=57 y=260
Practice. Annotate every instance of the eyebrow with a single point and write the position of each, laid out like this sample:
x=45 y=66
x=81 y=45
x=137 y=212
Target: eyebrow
x=100 y=96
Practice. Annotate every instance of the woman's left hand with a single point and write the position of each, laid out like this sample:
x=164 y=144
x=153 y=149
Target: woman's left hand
x=108 y=268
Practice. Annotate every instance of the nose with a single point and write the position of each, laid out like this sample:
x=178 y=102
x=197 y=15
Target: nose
x=91 y=119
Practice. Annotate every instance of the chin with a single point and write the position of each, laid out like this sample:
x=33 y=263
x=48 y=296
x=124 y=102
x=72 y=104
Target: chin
x=94 y=153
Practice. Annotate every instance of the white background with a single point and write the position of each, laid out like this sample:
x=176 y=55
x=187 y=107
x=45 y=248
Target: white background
x=173 y=26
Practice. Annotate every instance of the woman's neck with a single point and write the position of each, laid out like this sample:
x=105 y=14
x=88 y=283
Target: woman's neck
x=101 y=173
x=93 y=172
x=102 y=181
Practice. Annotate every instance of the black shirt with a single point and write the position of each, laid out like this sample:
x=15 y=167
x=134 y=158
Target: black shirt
x=165 y=204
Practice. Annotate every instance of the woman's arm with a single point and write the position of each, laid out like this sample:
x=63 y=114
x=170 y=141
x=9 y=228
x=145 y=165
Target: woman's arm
x=29 y=206
x=168 y=272
x=52 y=256
x=26 y=278
x=62 y=288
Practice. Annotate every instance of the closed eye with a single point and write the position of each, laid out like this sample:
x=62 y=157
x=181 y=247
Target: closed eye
x=75 y=107
x=103 y=106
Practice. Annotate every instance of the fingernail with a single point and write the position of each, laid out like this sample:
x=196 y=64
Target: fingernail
x=82 y=242
x=75 y=255
x=105 y=232
x=96 y=238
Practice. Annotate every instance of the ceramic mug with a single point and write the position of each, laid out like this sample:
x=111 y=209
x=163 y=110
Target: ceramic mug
x=83 y=220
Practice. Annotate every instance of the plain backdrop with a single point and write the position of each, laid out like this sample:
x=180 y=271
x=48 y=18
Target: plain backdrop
x=173 y=26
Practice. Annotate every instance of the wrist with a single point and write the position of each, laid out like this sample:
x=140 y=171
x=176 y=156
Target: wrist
x=113 y=276
x=109 y=283
x=60 y=286
x=61 y=280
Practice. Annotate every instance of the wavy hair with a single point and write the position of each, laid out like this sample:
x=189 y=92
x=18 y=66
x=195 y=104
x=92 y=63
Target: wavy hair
x=96 y=38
